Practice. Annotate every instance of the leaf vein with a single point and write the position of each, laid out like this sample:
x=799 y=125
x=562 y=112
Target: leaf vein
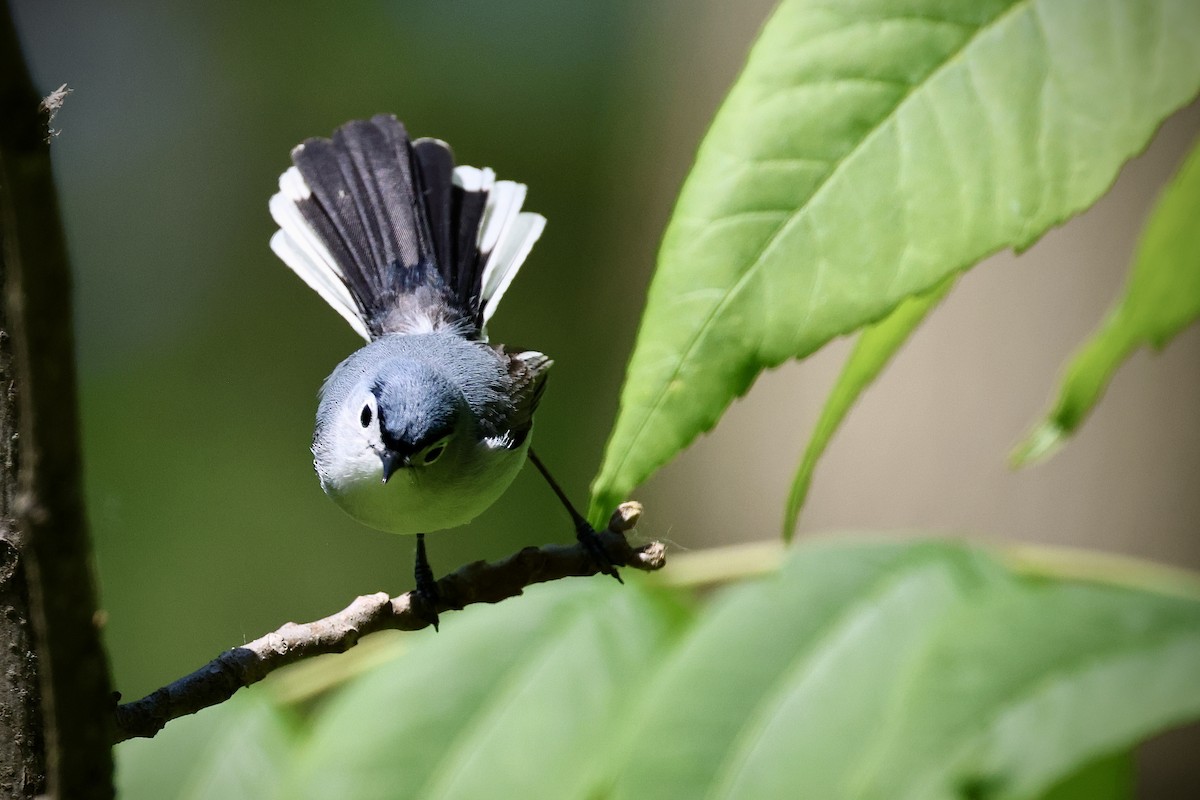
x=769 y=243
x=755 y=721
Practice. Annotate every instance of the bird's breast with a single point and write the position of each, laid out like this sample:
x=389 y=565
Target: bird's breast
x=421 y=499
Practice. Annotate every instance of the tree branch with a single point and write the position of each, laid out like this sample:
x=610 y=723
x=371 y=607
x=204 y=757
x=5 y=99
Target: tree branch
x=478 y=582
x=54 y=544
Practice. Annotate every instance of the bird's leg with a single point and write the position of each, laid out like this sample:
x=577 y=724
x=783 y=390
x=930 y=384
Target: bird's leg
x=584 y=532
x=427 y=591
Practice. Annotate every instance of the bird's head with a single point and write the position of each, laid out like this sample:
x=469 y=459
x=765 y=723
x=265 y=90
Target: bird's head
x=411 y=414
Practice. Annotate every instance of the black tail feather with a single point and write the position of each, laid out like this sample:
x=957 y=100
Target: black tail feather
x=329 y=213
x=467 y=261
x=378 y=173
x=454 y=217
x=435 y=165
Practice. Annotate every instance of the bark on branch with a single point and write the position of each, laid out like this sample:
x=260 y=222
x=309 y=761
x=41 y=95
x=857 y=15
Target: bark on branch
x=478 y=582
x=53 y=546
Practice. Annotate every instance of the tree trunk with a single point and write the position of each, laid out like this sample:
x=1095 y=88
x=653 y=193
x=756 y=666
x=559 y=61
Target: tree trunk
x=45 y=558
x=22 y=762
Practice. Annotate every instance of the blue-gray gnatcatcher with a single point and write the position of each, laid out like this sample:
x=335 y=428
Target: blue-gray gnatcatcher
x=427 y=425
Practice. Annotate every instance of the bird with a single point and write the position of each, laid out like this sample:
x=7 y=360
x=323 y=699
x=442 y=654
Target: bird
x=427 y=424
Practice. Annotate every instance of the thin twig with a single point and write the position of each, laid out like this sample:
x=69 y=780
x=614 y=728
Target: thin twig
x=479 y=582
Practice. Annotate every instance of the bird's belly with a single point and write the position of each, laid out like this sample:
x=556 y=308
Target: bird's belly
x=417 y=501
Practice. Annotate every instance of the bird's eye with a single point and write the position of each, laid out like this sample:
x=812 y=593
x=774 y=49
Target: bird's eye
x=433 y=454
x=365 y=416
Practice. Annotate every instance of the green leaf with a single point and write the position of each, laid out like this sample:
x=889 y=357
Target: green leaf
x=1110 y=778
x=910 y=671
x=239 y=749
x=875 y=347
x=516 y=700
x=1161 y=299
x=869 y=151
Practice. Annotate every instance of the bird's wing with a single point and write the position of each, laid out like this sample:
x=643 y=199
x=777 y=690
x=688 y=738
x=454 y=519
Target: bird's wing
x=527 y=372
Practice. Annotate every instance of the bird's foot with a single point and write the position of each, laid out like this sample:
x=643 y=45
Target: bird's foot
x=593 y=545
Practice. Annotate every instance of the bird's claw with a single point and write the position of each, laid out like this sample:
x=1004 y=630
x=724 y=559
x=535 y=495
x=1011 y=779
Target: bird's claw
x=426 y=599
x=426 y=594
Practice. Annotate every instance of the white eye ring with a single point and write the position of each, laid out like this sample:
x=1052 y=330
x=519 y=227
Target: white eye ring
x=368 y=413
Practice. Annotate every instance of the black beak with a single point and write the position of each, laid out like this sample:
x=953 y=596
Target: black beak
x=391 y=462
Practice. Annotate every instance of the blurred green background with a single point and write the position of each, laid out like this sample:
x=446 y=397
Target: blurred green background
x=200 y=354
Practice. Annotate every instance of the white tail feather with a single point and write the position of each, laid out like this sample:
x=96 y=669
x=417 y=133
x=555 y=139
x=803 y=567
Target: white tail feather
x=503 y=203
x=285 y=247
x=298 y=246
x=473 y=179
x=507 y=259
x=307 y=254
x=505 y=234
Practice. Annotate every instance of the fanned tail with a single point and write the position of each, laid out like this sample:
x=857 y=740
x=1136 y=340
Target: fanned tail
x=394 y=236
